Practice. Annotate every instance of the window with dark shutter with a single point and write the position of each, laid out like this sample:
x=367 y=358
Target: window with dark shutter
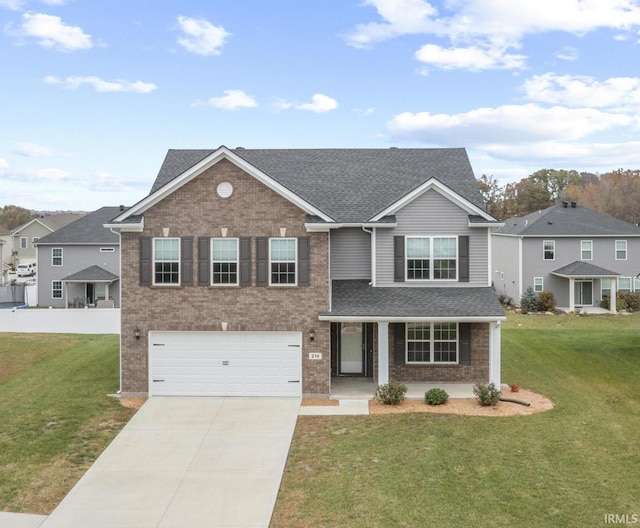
x=145 y=261
x=304 y=258
x=464 y=330
x=399 y=343
x=262 y=261
x=463 y=258
x=186 y=257
x=203 y=261
x=398 y=259
x=245 y=261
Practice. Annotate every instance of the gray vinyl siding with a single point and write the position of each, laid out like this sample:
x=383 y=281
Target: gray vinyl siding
x=74 y=258
x=506 y=266
x=350 y=254
x=433 y=215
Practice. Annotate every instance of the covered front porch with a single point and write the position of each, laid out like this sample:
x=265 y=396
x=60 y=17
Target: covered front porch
x=588 y=285
x=93 y=287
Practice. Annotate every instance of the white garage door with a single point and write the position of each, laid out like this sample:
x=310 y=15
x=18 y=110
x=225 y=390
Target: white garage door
x=225 y=363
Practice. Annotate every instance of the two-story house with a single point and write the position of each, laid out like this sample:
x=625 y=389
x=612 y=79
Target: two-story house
x=578 y=254
x=79 y=264
x=269 y=272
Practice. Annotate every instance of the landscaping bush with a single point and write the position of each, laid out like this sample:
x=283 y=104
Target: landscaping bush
x=529 y=301
x=505 y=300
x=436 y=397
x=546 y=301
x=391 y=393
x=486 y=394
x=624 y=301
x=633 y=301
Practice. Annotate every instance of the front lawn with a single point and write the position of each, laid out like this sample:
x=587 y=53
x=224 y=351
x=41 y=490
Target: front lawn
x=571 y=466
x=55 y=415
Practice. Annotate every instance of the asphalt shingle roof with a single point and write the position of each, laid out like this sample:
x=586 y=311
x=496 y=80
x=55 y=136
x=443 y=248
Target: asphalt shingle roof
x=349 y=185
x=86 y=230
x=358 y=298
x=92 y=274
x=558 y=220
x=584 y=269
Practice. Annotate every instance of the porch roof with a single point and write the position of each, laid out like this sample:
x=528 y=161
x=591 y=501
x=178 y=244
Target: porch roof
x=583 y=269
x=357 y=300
x=91 y=274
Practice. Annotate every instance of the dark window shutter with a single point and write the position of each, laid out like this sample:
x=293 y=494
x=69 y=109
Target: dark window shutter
x=245 y=261
x=398 y=259
x=399 y=343
x=464 y=341
x=146 y=255
x=203 y=261
x=186 y=261
x=463 y=259
x=304 y=258
x=262 y=261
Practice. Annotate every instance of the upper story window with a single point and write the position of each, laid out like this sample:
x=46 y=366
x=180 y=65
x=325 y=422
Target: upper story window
x=23 y=242
x=549 y=250
x=432 y=343
x=34 y=241
x=282 y=260
x=586 y=250
x=224 y=257
x=432 y=258
x=56 y=257
x=621 y=250
x=166 y=261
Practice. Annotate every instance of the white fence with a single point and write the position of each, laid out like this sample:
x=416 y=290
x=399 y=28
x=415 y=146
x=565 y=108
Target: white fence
x=61 y=321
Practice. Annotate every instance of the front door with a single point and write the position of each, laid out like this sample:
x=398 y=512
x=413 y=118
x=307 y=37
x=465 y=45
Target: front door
x=583 y=295
x=351 y=349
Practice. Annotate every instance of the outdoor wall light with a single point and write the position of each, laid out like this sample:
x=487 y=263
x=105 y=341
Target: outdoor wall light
x=136 y=332
x=312 y=334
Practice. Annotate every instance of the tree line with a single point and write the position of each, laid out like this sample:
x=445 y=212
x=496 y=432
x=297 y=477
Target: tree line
x=616 y=193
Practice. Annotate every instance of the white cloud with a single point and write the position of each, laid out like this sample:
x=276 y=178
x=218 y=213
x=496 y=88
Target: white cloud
x=51 y=32
x=509 y=124
x=54 y=2
x=471 y=58
x=14 y=5
x=101 y=85
x=568 y=53
x=583 y=91
x=319 y=104
x=34 y=150
x=231 y=100
x=4 y=164
x=201 y=37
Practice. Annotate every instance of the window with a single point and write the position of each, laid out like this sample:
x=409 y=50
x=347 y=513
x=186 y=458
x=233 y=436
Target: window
x=624 y=284
x=586 y=249
x=621 y=250
x=636 y=284
x=23 y=242
x=432 y=258
x=605 y=288
x=166 y=261
x=107 y=250
x=432 y=343
x=282 y=260
x=537 y=284
x=224 y=256
x=34 y=241
x=549 y=249
x=56 y=290
x=56 y=257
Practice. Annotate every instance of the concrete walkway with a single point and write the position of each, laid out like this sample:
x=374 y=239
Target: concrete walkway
x=187 y=462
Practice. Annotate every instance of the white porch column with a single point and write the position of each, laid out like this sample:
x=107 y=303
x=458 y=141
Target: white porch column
x=495 y=332
x=572 y=294
x=383 y=353
x=614 y=295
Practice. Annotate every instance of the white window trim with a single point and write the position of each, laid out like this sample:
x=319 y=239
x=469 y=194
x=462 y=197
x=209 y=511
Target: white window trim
x=153 y=263
x=602 y=288
x=53 y=264
x=541 y=284
x=431 y=347
x=616 y=249
x=590 y=250
x=295 y=246
x=227 y=284
x=636 y=284
x=55 y=289
x=620 y=288
x=24 y=242
x=34 y=241
x=553 y=242
x=431 y=258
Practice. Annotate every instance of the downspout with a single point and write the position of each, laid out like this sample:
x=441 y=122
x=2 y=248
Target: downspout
x=120 y=296
x=519 y=269
x=372 y=234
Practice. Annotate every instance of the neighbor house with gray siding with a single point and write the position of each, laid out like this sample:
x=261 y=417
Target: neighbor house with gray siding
x=578 y=254
x=79 y=264
x=273 y=272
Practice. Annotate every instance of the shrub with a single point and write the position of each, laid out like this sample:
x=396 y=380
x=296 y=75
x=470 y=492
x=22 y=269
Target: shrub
x=505 y=300
x=436 y=397
x=546 y=301
x=529 y=301
x=391 y=393
x=633 y=301
x=624 y=301
x=486 y=394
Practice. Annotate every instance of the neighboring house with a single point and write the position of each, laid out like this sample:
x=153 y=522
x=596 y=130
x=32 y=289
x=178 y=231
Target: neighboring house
x=268 y=272
x=79 y=264
x=578 y=254
x=24 y=239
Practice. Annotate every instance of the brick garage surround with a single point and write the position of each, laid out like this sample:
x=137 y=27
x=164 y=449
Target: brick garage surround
x=253 y=210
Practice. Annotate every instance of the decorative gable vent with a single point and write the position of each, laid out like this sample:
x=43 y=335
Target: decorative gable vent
x=224 y=189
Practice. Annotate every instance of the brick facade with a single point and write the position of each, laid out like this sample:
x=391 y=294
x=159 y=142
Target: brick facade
x=253 y=210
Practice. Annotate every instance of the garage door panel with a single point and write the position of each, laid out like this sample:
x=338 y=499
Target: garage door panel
x=226 y=363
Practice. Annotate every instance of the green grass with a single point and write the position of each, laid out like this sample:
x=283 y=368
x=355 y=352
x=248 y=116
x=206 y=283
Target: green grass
x=567 y=467
x=55 y=415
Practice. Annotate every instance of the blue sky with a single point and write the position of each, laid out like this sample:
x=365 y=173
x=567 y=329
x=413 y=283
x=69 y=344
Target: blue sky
x=93 y=93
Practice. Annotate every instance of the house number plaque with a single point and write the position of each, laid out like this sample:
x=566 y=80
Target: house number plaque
x=315 y=355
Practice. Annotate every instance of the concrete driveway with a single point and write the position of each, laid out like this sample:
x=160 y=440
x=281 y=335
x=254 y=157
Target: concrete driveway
x=187 y=462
